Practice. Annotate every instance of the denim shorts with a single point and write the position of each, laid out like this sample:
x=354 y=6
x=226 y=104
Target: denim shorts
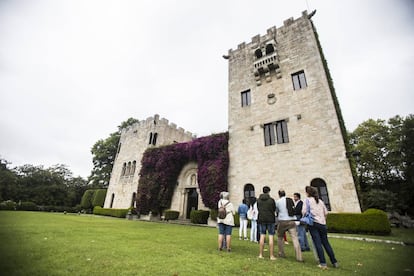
x=270 y=227
x=224 y=229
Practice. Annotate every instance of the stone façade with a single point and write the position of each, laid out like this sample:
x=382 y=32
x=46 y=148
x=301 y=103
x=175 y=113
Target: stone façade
x=277 y=82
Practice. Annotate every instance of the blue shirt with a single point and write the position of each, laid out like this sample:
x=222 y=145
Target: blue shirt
x=242 y=210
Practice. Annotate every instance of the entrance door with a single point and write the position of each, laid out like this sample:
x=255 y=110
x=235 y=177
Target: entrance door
x=192 y=201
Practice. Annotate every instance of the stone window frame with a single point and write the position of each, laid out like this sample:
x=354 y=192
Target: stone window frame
x=299 y=80
x=276 y=132
x=246 y=98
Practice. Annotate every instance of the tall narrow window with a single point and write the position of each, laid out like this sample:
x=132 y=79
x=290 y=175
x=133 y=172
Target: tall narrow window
x=281 y=132
x=154 y=138
x=269 y=134
x=322 y=191
x=245 y=98
x=128 y=170
x=123 y=169
x=134 y=166
x=112 y=200
x=299 y=80
x=276 y=131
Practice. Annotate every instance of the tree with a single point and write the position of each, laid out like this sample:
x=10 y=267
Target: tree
x=386 y=151
x=8 y=182
x=104 y=152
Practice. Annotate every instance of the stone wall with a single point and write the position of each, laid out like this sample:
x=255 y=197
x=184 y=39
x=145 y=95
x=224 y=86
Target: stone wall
x=133 y=142
x=316 y=147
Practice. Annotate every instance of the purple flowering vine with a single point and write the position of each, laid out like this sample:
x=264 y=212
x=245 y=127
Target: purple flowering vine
x=161 y=166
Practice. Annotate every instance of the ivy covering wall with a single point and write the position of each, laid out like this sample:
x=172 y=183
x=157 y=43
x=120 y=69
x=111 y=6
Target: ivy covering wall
x=160 y=168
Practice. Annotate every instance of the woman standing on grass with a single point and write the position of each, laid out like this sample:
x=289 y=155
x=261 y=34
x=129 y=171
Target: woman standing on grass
x=318 y=230
x=225 y=225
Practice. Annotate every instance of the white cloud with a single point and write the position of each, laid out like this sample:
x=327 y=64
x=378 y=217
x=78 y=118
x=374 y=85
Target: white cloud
x=72 y=71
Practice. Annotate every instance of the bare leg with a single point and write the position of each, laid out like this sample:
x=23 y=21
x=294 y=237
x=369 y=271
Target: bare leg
x=220 y=241
x=261 y=247
x=228 y=242
x=271 y=247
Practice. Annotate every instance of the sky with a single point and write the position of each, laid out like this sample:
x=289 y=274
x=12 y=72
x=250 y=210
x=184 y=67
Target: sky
x=72 y=71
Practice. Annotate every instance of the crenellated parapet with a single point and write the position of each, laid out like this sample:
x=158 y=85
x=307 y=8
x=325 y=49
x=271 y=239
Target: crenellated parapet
x=155 y=122
x=263 y=52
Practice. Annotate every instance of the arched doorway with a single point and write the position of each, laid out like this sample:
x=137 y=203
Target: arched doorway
x=192 y=201
x=249 y=193
x=320 y=185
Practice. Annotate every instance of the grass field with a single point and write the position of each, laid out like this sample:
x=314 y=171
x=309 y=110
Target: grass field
x=35 y=243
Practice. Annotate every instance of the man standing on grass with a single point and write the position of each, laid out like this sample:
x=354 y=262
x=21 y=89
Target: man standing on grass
x=286 y=223
x=266 y=219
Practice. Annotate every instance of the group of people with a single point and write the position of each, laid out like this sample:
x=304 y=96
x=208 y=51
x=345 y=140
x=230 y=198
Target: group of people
x=269 y=216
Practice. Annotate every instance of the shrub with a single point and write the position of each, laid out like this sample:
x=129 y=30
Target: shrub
x=372 y=221
x=98 y=198
x=52 y=208
x=118 y=213
x=86 y=201
x=171 y=215
x=27 y=206
x=8 y=205
x=199 y=216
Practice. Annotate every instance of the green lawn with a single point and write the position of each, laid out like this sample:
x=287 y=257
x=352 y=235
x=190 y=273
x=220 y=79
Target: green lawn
x=35 y=243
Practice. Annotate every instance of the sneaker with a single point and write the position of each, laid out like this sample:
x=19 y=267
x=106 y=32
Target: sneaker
x=246 y=239
x=273 y=258
x=240 y=238
x=323 y=267
x=260 y=257
x=229 y=250
x=336 y=265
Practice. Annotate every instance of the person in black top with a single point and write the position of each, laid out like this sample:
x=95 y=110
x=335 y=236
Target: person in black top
x=303 y=241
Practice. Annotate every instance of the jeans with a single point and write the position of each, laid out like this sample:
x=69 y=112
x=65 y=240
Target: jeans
x=243 y=228
x=319 y=233
x=303 y=241
x=253 y=231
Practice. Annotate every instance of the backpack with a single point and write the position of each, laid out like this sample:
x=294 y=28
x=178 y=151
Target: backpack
x=222 y=213
x=290 y=206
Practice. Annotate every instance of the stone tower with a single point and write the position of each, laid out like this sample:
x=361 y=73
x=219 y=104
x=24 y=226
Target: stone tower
x=152 y=132
x=284 y=122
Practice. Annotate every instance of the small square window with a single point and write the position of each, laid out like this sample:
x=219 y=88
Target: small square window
x=299 y=80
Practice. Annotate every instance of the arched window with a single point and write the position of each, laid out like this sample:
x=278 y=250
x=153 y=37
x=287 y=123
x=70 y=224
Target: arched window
x=269 y=49
x=154 y=138
x=249 y=192
x=258 y=53
x=123 y=169
x=134 y=166
x=322 y=191
x=134 y=195
x=128 y=170
x=112 y=200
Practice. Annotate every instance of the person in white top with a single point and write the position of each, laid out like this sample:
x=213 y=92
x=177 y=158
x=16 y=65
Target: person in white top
x=225 y=225
x=286 y=223
x=318 y=230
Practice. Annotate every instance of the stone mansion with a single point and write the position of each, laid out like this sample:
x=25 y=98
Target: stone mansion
x=284 y=124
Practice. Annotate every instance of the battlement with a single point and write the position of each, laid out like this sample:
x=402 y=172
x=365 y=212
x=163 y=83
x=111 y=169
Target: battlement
x=259 y=41
x=155 y=121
